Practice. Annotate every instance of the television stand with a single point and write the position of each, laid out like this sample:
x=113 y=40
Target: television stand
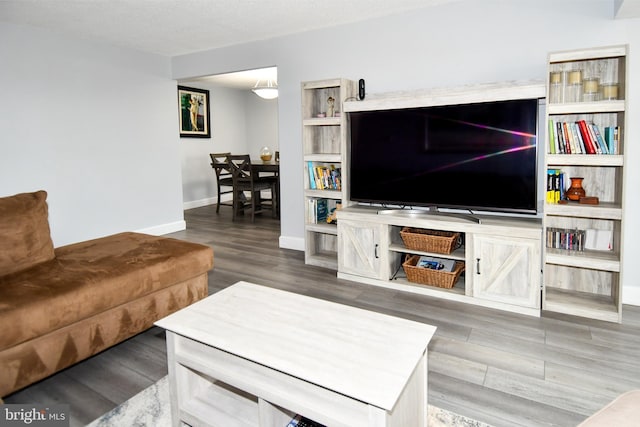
x=501 y=255
x=430 y=211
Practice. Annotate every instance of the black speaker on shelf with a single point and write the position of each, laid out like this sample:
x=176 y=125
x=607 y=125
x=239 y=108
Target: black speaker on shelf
x=361 y=89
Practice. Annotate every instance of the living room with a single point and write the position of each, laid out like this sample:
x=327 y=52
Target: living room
x=95 y=124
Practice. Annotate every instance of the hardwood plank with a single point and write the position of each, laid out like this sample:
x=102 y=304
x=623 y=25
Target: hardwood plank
x=495 y=407
x=499 y=358
x=568 y=398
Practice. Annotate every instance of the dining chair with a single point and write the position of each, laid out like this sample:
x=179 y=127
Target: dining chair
x=220 y=165
x=274 y=177
x=246 y=181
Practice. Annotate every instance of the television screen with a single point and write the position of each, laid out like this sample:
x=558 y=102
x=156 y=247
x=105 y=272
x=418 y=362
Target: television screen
x=472 y=156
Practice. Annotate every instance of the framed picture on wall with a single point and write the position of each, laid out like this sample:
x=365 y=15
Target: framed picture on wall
x=194 y=112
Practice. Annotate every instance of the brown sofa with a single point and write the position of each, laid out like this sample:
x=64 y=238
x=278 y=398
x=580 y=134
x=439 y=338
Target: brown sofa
x=59 y=306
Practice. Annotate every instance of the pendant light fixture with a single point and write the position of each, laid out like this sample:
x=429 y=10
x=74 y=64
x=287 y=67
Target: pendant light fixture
x=268 y=91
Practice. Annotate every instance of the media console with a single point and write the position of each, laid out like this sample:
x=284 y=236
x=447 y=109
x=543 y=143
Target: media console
x=502 y=255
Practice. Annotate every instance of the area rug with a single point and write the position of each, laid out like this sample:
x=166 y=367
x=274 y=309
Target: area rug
x=151 y=407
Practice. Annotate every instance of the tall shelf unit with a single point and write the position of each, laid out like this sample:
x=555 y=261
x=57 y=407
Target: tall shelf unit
x=587 y=282
x=324 y=141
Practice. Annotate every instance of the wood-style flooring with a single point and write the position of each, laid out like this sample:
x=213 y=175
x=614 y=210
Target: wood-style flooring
x=501 y=368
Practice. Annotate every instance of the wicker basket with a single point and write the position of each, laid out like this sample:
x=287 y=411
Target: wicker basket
x=427 y=276
x=440 y=242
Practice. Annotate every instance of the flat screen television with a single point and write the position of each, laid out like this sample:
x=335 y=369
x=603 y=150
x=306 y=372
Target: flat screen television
x=477 y=157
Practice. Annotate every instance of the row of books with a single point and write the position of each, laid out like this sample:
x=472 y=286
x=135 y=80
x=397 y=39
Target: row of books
x=321 y=210
x=579 y=240
x=562 y=238
x=324 y=177
x=581 y=137
x=555 y=185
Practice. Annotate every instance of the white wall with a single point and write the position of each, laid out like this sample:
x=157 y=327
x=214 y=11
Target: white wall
x=241 y=123
x=453 y=44
x=95 y=126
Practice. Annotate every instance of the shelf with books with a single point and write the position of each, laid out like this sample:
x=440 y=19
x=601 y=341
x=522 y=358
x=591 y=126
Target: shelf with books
x=585 y=143
x=611 y=211
x=584 y=160
x=323 y=157
x=597 y=260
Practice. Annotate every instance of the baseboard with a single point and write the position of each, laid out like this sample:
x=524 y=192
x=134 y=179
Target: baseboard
x=159 y=230
x=631 y=295
x=206 y=202
x=295 y=243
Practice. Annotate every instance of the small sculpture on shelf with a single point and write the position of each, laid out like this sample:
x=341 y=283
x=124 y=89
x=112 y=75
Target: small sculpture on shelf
x=332 y=218
x=331 y=106
x=575 y=191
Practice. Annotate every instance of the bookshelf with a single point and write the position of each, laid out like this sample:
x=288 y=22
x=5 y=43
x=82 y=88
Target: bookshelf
x=586 y=85
x=324 y=137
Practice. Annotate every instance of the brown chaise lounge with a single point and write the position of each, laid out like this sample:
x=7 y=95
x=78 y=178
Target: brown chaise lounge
x=59 y=306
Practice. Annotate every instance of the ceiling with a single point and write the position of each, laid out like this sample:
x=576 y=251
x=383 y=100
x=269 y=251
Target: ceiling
x=177 y=27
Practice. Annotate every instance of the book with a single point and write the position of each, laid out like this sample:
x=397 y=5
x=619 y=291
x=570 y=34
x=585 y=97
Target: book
x=553 y=138
x=608 y=137
x=321 y=211
x=586 y=136
x=555 y=186
x=318 y=210
x=599 y=240
x=600 y=139
x=571 y=148
x=312 y=178
x=561 y=143
x=578 y=137
x=434 y=263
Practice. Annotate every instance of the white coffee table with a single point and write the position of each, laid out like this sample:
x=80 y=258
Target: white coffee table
x=250 y=355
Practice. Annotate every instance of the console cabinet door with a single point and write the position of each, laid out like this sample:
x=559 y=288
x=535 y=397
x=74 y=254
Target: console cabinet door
x=359 y=248
x=507 y=270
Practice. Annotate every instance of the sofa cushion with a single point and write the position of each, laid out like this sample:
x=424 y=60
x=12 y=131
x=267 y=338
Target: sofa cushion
x=91 y=277
x=25 y=239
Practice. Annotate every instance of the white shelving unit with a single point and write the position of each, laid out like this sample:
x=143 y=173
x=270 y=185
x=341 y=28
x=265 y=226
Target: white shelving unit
x=324 y=145
x=587 y=283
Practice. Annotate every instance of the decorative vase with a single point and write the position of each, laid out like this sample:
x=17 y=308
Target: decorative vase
x=265 y=154
x=575 y=191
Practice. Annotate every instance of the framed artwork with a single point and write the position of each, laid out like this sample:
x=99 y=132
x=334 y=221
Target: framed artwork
x=194 y=112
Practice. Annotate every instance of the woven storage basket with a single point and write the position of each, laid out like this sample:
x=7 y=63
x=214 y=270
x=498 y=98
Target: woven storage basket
x=427 y=276
x=420 y=239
